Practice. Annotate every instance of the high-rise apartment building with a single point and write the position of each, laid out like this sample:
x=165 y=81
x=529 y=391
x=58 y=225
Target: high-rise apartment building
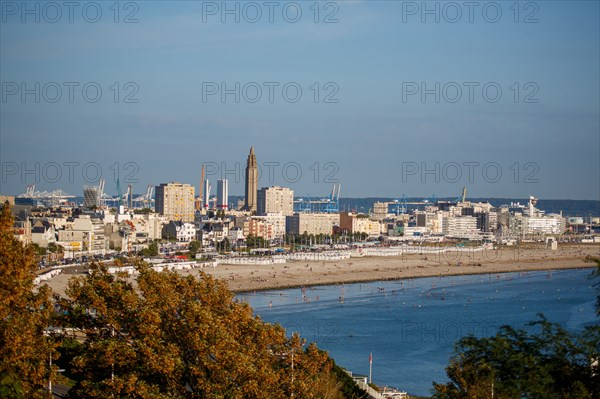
x=311 y=223
x=175 y=201
x=206 y=196
x=91 y=197
x=222 y=194
x=275 y=200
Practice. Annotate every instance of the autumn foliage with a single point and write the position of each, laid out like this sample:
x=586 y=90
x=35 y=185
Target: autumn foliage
x=156 y=335
x=24 y=315
x=184 y=337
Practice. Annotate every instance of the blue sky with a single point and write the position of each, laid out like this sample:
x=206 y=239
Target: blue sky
x=540 y=135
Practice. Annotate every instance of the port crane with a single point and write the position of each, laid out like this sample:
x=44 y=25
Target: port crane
x=146 y=200
x=330 y=204
x=47 y=198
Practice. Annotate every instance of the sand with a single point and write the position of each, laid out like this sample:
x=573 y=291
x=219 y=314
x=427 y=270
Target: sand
x=242 y=278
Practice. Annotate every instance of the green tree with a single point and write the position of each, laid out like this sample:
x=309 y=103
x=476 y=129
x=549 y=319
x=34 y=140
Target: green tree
x=194 y=247
x=152 y=250
x=596 y=274
x=55 y=248
x=24 y=314
x=10 y=387
x=37 y=250
x=223 y=246
x=143 y=211
x=255 y=242
x=514 y=364
x=549 y=364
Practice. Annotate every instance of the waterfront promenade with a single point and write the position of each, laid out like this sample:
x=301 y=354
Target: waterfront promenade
x=374 y=268
x=295 y=273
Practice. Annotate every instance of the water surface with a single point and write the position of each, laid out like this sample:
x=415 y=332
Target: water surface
x=410 y=326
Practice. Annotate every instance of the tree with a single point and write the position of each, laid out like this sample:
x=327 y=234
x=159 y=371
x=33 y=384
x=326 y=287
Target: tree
x=514 y=364
x=596 y=274
x=55 y=248
x=194 y=247
x=183 y=337
x=10 y=387
x=168 y=336
x=255 y=242
x=152 y=250
x=143 y=211
x=223 y=246
x=25 y=312
x=37 y=250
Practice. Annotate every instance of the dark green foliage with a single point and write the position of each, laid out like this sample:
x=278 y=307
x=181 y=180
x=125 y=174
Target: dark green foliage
x=596 y=274
x=255 y=242
x=143 y=211
x=546 y=364
x=69 y=349
x=152 y=250
x=551 y=363
x=349 y=388
x=10 y=387
x=223 y=246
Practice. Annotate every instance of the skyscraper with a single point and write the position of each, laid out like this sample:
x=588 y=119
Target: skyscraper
x=275 y=200
x=222 y=194
x=175 y=201
x=251 y=182
x=206 y=195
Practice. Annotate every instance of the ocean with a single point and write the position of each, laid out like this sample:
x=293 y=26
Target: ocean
x=410 y=326
x=581 y=208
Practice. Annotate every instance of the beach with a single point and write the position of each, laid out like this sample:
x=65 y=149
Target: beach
x=241 y=278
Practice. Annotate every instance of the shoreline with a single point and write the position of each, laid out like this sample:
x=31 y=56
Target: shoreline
x=275 y=288
x=251 y=278
x=297 y=274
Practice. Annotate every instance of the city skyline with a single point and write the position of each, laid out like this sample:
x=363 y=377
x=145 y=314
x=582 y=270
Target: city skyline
x=388 y=91
x=263 y=175
x=265 y=182
x=402 y=179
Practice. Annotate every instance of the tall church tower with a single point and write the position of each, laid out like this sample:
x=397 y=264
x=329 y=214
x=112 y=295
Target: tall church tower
x=251 y=182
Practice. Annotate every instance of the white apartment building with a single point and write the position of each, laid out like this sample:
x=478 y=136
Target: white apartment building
x=276 y=221
x=149 y=224
x=352 y=223
x=312 y=223
x=275 y=200
x=520 y=225
x=460 y=227
x=380 y=210
x=543 y=225
x=85 y=235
